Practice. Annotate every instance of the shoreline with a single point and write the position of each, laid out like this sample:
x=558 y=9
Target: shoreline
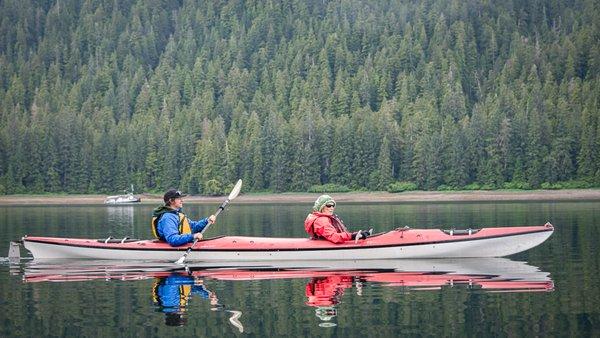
x=381 y=196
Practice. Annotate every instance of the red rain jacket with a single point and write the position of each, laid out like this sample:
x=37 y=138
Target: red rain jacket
x=329 y=227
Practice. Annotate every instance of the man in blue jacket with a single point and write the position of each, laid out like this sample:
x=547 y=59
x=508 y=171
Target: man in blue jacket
x=171 y=225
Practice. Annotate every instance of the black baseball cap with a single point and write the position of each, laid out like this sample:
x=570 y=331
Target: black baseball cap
x=172 y=193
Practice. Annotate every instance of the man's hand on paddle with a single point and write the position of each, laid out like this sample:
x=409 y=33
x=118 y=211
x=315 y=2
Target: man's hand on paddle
x=211 y=220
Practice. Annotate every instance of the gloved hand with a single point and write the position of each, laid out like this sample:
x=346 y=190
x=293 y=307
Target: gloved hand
x=361 y=234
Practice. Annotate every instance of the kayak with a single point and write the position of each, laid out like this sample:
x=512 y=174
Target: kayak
x=487 y=274
x=401 y=243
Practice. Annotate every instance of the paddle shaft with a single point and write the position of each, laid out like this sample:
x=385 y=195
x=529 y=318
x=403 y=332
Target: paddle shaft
x=221 y=208
x=233 y=194
x=187 y=252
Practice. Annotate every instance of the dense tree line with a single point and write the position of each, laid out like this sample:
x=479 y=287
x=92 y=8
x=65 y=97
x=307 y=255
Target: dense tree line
x=97 y=95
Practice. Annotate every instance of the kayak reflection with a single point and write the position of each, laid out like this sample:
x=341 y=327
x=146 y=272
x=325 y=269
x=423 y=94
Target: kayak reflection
x=324 y=293
x=326 y=281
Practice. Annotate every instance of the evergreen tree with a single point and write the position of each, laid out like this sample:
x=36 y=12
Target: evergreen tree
x=384 y=173
x=252 y=154
x=342 y=156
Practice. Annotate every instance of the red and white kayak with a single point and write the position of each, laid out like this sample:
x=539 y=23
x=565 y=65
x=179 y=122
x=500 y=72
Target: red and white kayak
x=396 y=244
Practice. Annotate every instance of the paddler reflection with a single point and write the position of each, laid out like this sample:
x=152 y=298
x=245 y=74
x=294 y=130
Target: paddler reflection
x=324 y=293
x=173 y=293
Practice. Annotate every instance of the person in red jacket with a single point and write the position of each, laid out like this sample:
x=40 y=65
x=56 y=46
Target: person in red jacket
x=322 y=223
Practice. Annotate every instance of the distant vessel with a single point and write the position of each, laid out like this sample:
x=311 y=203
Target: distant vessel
x=123 y=199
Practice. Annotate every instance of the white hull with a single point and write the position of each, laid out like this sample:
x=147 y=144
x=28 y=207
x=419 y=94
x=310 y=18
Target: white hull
x=488 y=247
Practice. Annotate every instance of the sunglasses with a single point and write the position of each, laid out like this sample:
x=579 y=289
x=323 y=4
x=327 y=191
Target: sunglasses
x=330 y=205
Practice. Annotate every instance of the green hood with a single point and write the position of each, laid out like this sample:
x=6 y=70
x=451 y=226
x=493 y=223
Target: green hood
x=158 y=211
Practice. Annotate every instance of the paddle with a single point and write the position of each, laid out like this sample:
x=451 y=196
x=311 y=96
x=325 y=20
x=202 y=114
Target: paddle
x=233 y=194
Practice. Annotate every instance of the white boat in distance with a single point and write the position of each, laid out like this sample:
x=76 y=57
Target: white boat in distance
x=129 y=198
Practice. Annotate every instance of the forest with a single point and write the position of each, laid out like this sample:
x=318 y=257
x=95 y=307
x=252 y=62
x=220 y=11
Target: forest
x=298 y=95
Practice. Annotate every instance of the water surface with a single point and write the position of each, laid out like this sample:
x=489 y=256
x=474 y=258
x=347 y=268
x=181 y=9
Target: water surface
x=552 y=289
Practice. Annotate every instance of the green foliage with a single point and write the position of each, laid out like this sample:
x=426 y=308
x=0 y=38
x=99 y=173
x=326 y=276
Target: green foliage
x=551 y=186
x=401 y=186
x=567 y=185
x=98 y=96
x=579 y=185
x=518 y=185
x=472 y=186
x=329 y=187
x=213 y=188
x=487 y=186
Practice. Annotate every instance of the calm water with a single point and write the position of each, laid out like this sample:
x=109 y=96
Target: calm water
x=551 y=290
